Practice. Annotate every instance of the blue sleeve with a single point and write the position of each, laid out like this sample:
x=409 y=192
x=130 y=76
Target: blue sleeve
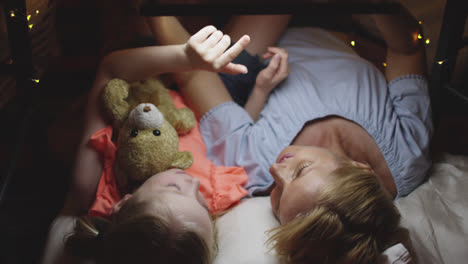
x=411 y=105
x=225 y=130
x=410 y=99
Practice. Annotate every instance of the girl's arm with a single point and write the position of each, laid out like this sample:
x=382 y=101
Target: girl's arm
x=204 y=50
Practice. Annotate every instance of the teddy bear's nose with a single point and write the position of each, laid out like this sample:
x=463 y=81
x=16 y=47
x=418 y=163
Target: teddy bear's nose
x=146 y=109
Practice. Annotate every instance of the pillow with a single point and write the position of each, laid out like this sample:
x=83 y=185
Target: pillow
x=436 y=215
x=241 y=233
x=242 y=236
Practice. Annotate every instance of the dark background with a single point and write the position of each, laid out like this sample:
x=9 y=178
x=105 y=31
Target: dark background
x=87 y=30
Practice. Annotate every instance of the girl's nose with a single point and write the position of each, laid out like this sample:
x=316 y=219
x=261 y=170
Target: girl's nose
x=194 y=185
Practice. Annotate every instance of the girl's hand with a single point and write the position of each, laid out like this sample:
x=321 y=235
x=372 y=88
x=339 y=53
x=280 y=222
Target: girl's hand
x=206 y=50
x=276 y=72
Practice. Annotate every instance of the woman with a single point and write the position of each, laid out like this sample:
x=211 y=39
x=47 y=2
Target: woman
x=339 y=139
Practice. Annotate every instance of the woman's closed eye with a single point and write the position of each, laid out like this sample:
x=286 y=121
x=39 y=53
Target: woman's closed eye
x=176 y=186
x=301 y=168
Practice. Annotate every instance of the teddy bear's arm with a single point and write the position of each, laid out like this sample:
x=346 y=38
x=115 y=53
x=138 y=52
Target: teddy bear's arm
x=183 y=160
x=115 y=96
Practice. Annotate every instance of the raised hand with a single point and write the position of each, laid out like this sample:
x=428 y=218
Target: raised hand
x=276 y=71
x=208 y=50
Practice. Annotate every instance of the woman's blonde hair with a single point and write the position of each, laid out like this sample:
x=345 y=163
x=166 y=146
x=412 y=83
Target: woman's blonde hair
x=353 y=221
x=133 y=236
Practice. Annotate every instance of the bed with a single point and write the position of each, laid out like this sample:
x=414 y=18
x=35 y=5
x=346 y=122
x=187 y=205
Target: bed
x=436 y=214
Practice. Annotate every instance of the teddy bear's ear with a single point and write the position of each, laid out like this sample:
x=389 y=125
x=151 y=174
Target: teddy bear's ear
x=114 y=97
x=183 y=160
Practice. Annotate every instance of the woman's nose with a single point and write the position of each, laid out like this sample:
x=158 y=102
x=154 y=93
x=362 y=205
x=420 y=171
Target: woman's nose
x=277 y=170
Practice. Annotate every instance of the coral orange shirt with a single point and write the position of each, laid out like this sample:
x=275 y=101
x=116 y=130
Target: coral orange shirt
x=221 y=186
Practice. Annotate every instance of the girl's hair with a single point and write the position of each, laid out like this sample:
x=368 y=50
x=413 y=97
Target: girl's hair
x=133 y=236
x=353 y=221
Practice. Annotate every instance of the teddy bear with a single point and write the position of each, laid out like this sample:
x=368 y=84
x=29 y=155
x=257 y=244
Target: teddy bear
x=148 y=126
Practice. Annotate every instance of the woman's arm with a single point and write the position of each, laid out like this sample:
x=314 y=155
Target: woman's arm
x=267 y=80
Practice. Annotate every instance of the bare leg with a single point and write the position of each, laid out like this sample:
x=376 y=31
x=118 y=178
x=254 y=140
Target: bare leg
x=264 y=30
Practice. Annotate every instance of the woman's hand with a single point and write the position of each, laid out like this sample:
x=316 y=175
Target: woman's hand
x=206 y=50
x=267 y=80
x=276 y=72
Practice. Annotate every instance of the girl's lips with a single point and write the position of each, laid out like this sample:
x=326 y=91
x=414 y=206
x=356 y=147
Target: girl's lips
x=179 y=171
x=285 y=156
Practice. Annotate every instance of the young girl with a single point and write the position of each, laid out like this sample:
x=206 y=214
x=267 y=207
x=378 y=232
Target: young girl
x=167 y=218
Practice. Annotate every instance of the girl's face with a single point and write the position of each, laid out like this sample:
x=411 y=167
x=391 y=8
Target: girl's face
x=180 y=194
x=299 y=173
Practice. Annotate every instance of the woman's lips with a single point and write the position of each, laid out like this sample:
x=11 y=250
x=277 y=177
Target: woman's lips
x=285 y=156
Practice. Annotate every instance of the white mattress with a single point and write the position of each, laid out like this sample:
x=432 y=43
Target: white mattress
x=436 y=214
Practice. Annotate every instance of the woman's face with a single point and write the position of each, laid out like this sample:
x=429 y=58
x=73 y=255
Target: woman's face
x=180 y=193
x=299 y=173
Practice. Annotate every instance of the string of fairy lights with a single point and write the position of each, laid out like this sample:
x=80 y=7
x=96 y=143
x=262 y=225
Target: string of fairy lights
x=353 y=43
x=419 y=36
x=14 y=14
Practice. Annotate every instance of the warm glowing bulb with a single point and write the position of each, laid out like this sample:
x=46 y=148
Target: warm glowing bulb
x=37 y=11
x=428 y=41
x=384 y=64
x=29 y=17
x=441 y=62
x=31 y=25
x=420 y=22
x=12 y=14
x=36 y=80
x=353 y=43
x=419 y=36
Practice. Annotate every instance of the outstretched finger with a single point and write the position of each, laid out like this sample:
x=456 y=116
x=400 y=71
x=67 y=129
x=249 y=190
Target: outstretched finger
x=276 y=50
x=234 y=69
x=232 y=52
x=203 y=33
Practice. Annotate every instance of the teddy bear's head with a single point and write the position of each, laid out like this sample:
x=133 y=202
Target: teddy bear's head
x=148 y=126
x=148 y=144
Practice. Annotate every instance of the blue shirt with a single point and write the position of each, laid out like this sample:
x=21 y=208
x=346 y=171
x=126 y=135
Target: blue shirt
x=326 y=78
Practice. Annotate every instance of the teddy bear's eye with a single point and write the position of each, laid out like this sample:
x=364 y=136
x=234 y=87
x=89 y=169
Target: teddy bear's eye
x=156 y=132
x=134 y=132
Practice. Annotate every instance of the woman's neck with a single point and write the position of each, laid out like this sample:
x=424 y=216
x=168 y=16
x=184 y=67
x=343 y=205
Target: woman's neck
x=347 y=138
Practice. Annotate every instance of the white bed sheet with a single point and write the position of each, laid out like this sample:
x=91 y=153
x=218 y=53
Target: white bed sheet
x=436 y=214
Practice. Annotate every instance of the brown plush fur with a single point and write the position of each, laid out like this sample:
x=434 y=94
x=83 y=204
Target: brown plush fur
x=145 y=154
